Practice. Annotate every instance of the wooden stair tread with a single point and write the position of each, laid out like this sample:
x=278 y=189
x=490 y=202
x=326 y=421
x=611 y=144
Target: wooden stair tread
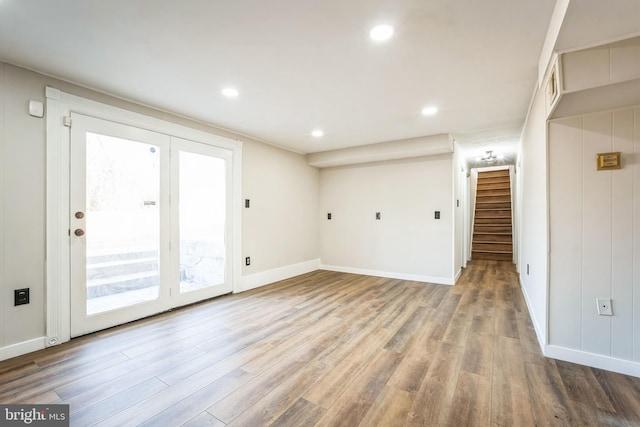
x=494 y=174
x=493 y=257
x=497 y=233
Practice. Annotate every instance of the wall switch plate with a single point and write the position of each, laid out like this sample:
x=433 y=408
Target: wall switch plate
x=437 y=215
x=604 y=307
x=377 y=215
x=247 y=261
x=247 y=203
x=21 y=296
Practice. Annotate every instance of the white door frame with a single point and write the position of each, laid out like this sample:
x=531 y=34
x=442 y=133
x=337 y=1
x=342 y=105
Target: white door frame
x=58 y=111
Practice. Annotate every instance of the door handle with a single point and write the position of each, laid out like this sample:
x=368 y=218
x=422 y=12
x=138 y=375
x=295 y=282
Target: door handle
x=79 y=232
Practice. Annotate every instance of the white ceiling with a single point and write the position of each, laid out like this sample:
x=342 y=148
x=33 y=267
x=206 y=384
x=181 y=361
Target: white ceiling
x=300 y=64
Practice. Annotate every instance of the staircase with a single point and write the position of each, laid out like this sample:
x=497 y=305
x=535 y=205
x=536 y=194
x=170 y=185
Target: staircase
x=492 y=238
x=119 y=272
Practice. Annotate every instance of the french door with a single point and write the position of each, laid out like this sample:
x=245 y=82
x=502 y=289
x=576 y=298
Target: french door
x=149 y=220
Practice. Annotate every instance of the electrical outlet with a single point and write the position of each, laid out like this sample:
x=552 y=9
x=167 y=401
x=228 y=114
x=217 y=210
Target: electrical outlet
x=329 y=215
x=247 y=261
x=377 y=215
x=247 y=203
x=604 y=307
x=21 y=296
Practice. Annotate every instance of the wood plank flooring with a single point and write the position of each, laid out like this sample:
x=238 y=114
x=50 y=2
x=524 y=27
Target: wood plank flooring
x=329 y=349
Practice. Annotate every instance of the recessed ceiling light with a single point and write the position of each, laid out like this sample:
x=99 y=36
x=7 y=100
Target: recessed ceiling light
x=317 y=133
x=429 y=111
x=230 y=92
x=381 y=33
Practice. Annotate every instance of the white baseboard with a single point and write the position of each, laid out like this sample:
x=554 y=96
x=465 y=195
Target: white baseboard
x=540 y=333
x=458 y=274
x=21 y=348
x=263 y=278
x=599 y=361
x=390 y=275
x=593 y=360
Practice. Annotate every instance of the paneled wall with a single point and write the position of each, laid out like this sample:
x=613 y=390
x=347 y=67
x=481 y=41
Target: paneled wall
x=601 y=65
x=595 y=235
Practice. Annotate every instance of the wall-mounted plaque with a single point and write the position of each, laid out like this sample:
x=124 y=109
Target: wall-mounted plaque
x=607 y=161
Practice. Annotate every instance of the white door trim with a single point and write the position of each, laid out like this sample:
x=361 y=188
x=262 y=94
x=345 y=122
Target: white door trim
x=59 y=106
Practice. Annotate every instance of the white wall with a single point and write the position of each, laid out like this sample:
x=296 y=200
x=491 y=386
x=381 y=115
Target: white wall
x=600 y=78
x=595 y=239
x=533 y=214
x=22 y=203
x=459 y=206
x=601 y=65
x=407 y=242
x=4 y=292
x=281 y=231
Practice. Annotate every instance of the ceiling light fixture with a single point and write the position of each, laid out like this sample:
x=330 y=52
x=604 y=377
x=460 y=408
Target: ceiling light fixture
x=230 y=92
x=490 y=157
x=317 y=133
x=381 y=33
x=429 y=111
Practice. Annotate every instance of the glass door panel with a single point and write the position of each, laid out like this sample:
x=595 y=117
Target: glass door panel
x=118 y=223
x=201 y=221
x=122 y=222
x=202 y=213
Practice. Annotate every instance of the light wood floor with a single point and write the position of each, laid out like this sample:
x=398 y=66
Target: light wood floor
x=325 y=349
